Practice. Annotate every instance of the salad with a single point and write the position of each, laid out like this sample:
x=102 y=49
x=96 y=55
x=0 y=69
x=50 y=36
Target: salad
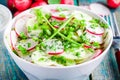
x=57 y=37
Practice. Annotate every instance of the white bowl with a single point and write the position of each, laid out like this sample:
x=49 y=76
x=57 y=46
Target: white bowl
x=79 y=71
x=5 y=17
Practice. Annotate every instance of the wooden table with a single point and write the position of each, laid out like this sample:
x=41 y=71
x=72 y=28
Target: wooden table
x=107 y=70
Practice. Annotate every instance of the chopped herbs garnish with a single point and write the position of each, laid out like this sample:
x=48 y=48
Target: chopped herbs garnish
x=62 y=60
x=23 y=36
x=60 y=38
x=22 y=49
x=103 y=25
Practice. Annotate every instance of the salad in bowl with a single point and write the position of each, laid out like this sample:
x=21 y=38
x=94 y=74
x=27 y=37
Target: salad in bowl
x=54 y=38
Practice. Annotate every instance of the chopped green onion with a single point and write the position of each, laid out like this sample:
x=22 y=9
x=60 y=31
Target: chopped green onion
x=22 y=49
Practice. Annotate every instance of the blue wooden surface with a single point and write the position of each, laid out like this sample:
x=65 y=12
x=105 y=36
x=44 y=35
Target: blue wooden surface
x=107 y=70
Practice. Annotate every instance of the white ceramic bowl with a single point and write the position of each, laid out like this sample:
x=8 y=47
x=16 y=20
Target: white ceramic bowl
x=5 y=17
x=75 y=72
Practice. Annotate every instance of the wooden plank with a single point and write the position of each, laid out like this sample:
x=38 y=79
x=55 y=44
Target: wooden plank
x=8 y=69
x=108 y=69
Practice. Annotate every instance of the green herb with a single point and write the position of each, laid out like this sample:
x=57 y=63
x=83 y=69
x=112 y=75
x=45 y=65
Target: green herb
x=77 y=54
x=15 y=52
x=57 y=31
x=103 y=25
x=94 y=25
x=62 y=15
x=61 y=27
x=42 y=59
x=47 y=16
x=38 y=13
x=29 y=29
x=95 y=20
x=91 y=50
x=37 y=48
x=96 y=44
x=83 y=39
x=23 y=36
x=60 y=9
x=29 y=45
x=62 y=60
x=22 y=49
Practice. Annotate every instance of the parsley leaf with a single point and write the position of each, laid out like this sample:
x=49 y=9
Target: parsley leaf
x=22 y=49
x=23 y=36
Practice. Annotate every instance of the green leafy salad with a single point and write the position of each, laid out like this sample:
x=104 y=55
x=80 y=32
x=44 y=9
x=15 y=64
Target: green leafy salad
x=57 y=37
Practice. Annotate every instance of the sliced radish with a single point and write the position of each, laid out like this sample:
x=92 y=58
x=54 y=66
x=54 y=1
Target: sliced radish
x=97 y=53
x=28 y=44
x=94 y=38
x=56 y=26
x=81 y=16
x=94 y=32
x=21 y=23
x=97 y=30
x=54 y=10
x=13 y=39
x=34 y=33
x=53 y=46
x=99 y=9
x=58 y=18
x=56 y=15
x=56 y=53
x=87 y=46
x=30 y=22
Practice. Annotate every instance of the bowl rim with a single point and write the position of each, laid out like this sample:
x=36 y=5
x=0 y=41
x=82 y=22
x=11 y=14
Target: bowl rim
x=64 y=67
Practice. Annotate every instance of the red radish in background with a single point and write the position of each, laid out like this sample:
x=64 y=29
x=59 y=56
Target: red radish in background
x=113 y=3
x=38 y=3
x=10 y=4
x=22 y=4
x=13 y=39
x=41 y=0
x=16 y=13
x=71 y=2
x=38 y=0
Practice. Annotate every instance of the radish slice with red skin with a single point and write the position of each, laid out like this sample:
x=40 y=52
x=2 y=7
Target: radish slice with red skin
x=59 y=18
x=13 y=39
x=87 y=46
x=97 y=30
x=99 y=9
x=53 y=47
x=56 y=15
x=58 y=27
x=94 y=32
x=94 y=38
x=54 y=10
x=21 y=23
x=28 y=44
x=97 y=53
x=55 y=53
